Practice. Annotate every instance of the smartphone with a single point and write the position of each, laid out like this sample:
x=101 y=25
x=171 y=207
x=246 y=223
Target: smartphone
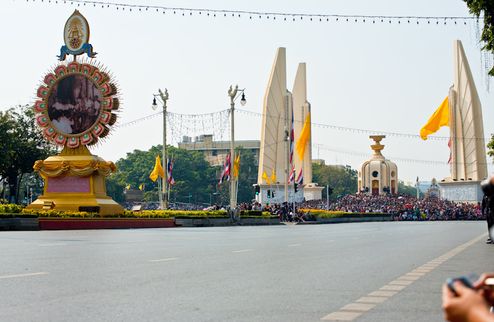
x=463 y=279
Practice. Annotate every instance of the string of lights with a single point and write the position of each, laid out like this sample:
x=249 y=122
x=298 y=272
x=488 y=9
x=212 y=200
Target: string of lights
x=269 y=15
x=364 y=131
x=364 y=155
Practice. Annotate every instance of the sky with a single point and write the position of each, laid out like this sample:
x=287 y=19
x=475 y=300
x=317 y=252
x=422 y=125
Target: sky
x=381 y=77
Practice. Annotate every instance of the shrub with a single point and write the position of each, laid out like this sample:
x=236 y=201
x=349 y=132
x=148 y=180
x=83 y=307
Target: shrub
x=10 y=208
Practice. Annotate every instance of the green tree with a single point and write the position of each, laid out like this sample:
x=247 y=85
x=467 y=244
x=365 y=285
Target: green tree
x=485 y=8
x=21 y=144
x=193 y=176
x=343 y=180
x=405 y=189
x=247 y=175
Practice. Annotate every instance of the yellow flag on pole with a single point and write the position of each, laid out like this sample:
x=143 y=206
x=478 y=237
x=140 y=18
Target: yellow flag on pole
x=236 y=166
x=158 y=170
x=437 y=120
x=141 y=187
x=265 y=177
x=303 y=138
x=273 y=176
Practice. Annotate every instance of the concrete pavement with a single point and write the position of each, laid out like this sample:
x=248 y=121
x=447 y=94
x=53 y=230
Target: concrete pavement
x=274 y=273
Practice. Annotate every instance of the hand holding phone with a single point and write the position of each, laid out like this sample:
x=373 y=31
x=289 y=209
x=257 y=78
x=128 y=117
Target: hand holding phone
x=462 y=279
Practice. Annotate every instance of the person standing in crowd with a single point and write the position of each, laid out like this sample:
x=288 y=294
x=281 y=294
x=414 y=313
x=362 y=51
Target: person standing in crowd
x=488 y=207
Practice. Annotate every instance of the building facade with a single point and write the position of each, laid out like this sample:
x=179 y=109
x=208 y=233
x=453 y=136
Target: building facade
x=215 y=152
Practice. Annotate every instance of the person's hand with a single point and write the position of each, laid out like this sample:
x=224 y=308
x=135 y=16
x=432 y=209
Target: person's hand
x=469 y=305
x=488 y=292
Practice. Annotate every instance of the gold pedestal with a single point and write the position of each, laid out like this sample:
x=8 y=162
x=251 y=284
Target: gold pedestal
x=75 y=181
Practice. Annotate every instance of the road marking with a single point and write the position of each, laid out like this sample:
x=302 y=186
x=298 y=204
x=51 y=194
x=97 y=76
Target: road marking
x=52 y=244
x=372 y=299
x=353 y=310
x=400 y=282
x=383 y=293
x=392 y=287
x=294 y=245
x=242 y=251
x=342 y=316
x=23 y=275
x=358 y=307
x=164 y=259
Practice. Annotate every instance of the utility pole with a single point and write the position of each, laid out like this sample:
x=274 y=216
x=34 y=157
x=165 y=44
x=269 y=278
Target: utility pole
x=232 y=93
x=164 y=185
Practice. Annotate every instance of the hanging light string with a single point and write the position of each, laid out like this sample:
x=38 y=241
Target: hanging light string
x=272 y=15
x=363 y=131
x=403 y=160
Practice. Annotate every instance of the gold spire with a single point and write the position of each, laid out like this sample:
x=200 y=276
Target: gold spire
x=377 y=147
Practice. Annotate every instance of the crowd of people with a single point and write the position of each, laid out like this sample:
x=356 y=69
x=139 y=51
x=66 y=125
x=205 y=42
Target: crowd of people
x=404 y=207
x=401 y=207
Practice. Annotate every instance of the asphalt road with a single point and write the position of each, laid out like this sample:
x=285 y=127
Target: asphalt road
x=360 y=272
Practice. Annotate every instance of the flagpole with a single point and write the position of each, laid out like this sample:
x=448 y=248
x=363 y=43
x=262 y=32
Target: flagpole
x=164 y=99
x=160 y=197
x=232 y=93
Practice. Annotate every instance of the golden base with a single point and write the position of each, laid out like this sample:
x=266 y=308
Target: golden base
x=75 y=182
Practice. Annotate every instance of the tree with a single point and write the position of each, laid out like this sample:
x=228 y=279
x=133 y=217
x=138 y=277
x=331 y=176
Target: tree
x=21 y=144
x=405 y=189
x=247 y=175
x=343 y=180
x=485 y=8
x=193 y=176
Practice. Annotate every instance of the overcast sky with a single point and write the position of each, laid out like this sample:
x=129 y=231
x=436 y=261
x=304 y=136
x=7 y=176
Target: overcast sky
x=382 y=77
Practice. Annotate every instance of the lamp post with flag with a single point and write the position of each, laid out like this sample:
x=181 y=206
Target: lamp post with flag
x=234 y=93
x=163 y=97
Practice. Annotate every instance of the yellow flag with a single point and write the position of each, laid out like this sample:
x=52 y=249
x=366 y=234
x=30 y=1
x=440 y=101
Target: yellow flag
x=127 y=187
x=158 y=170
x=273 y=176
x=265 y=177
x=303 y=138
x=236 y=167
x=438 y=119
x=141 y=187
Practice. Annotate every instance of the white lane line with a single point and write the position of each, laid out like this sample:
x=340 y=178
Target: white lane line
x=52 y=244
x=372 y=299
x=242 y=251
x=342 y=316
x=163 y=260
x=353 y=310
x=382 y=293
x=23 y=275
x=294 y=245
x=360 y=307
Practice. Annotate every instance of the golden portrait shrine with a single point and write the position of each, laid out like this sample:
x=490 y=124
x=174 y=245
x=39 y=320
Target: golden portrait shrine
x=76 y=107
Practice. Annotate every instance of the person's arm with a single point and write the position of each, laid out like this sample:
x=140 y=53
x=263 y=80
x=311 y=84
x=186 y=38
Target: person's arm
x=468 y=306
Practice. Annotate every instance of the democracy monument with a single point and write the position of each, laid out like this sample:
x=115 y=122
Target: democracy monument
x=378 y=175
x=461 y=111
x=285 y=159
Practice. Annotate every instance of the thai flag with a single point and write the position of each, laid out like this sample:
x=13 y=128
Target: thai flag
x=291 y=178
x=169 y=169
x=450 y=151
x=292 y=142
x=225 y=174
x=300 y=179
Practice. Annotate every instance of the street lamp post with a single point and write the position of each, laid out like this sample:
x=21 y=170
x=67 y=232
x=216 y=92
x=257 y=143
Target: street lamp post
x=164 y=99
x=232 y=93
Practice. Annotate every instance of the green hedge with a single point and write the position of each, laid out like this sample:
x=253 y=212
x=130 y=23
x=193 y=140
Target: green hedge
x=10 y=208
